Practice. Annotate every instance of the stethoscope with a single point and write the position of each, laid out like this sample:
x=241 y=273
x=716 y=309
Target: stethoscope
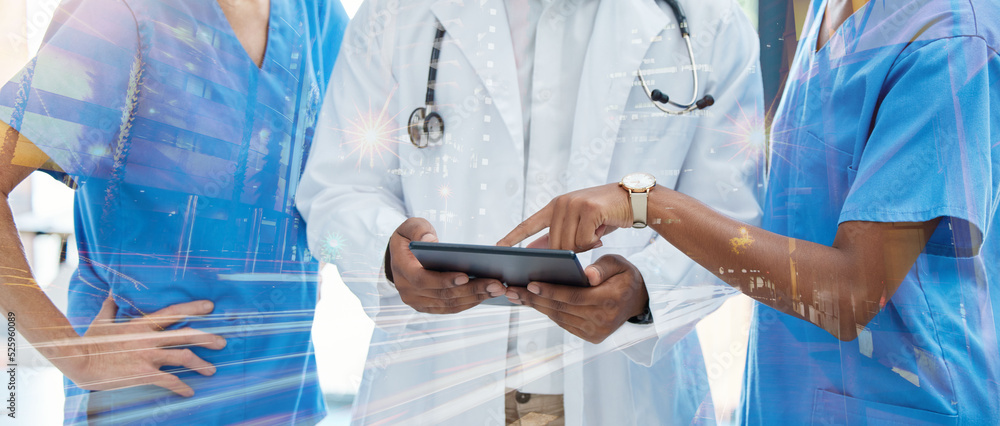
x=427 y=126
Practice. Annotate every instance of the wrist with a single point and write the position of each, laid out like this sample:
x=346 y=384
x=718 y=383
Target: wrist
x=626 y=206
x=69 y=354
x=661 y=206
x=637 y=186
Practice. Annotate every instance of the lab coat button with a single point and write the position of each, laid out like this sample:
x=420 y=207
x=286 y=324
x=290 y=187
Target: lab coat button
x=545 y=95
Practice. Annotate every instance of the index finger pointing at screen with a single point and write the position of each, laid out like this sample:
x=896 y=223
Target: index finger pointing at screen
x=529 y=227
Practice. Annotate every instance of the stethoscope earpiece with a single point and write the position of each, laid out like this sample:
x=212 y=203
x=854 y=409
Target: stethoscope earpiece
x=705 y=102
x=657 y=96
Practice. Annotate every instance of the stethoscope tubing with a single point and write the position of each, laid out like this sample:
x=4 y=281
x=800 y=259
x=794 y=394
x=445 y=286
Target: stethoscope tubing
x=685 y=107
x=432 y=71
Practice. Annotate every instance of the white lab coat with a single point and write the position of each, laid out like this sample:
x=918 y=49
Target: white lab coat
x=363 y=180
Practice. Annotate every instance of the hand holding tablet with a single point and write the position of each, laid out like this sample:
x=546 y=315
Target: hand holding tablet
x=429 y=291
x=590 y=304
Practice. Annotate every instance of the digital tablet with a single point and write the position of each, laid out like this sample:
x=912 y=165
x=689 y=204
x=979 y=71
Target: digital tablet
x=511 y=265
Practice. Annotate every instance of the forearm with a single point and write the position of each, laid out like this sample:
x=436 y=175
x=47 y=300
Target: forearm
x=836 y=288
x=38 y=320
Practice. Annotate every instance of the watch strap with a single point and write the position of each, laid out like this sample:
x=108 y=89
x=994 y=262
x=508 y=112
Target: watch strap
x=646 y=317
x=387 y=265
x=638 y=208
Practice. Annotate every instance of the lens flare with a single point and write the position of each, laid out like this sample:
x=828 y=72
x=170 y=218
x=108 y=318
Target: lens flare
x=333 y=244
x=748 y=135
x=372 y=133
x=444 y=191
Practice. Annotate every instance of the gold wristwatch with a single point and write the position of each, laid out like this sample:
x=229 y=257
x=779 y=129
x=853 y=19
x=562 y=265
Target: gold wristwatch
x=638 y=186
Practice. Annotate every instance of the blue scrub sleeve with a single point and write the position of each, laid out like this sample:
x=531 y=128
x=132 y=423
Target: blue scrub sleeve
x=69 y=99
x=930 y=153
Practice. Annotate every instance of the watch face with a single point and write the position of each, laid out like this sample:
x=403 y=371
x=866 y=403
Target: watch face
x=638 y=181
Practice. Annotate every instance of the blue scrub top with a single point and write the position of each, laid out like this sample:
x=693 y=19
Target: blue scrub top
x=186 y=157
x=894 y=120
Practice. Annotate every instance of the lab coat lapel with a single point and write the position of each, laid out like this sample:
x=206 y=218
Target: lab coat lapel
x=623 y=32
x=480 y=30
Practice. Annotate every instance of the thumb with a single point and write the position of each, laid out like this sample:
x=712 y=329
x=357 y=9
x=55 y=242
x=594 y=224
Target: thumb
x=109 y=310
x=605 y=267
x=595 y=275
x=418 y=229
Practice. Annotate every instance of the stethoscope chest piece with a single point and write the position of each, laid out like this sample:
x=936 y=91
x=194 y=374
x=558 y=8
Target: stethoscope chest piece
x=424 y=128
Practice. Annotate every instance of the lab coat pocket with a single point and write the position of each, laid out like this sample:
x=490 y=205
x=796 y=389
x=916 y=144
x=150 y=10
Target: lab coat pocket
x=833 y=409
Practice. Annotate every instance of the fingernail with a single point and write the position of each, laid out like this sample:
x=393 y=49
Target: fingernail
x=220 y=341
x=512 y=295
x=461 y=280
x=428 y=238
x=494 y=289
x=206 y=305
x=515 y=301
x=534 y=288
